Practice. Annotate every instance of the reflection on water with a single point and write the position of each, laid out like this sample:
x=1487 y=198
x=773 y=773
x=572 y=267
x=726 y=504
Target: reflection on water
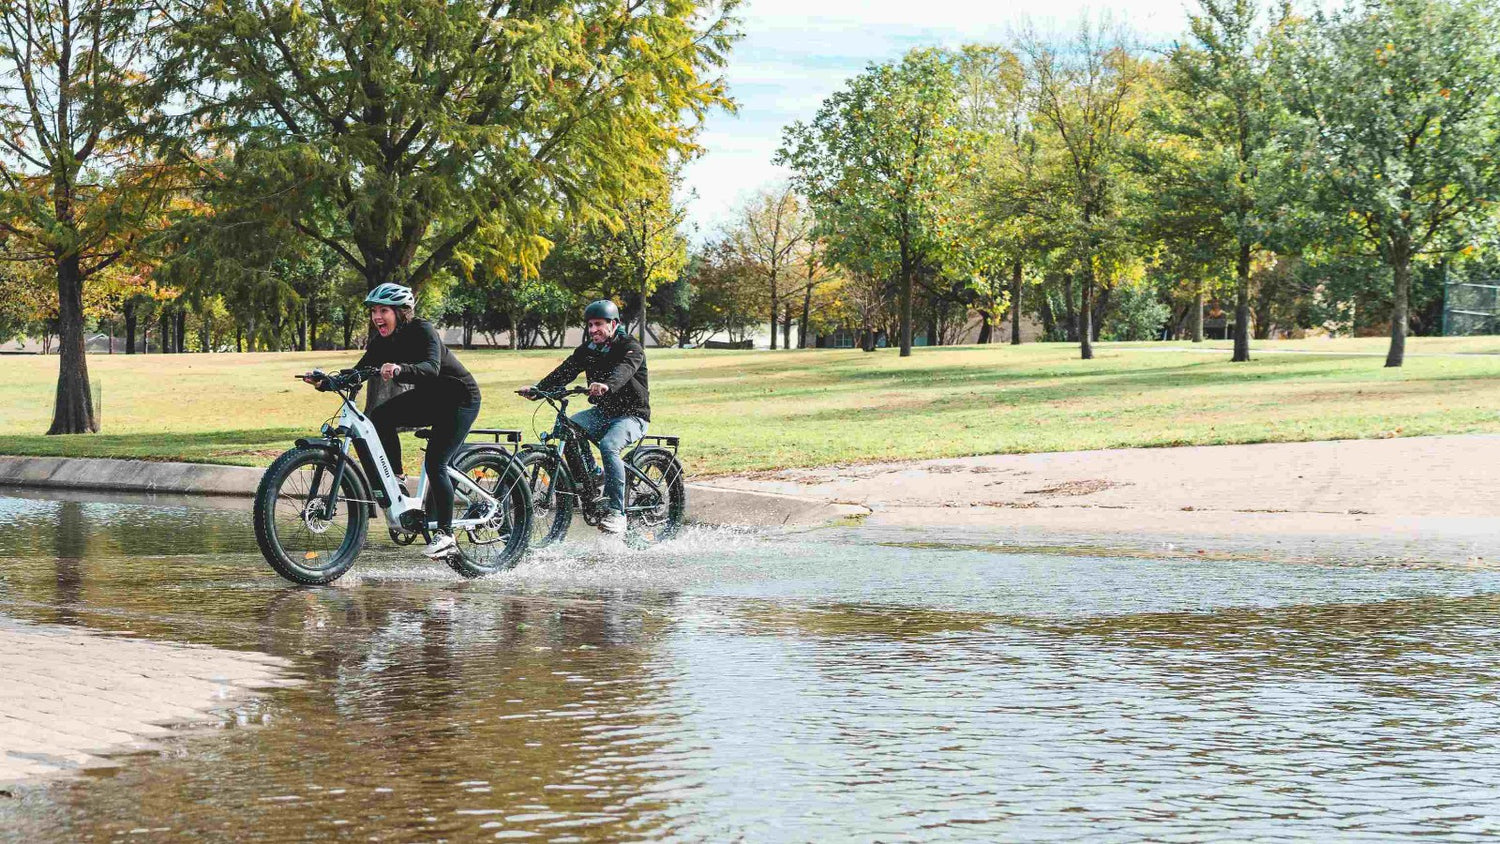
x=832 y=685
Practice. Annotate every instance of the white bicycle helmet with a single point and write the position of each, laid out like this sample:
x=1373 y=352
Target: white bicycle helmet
x=392 y=295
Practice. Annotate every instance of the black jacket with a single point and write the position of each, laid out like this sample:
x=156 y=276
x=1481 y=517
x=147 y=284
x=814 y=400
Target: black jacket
x=425 y=362
x=620 y=363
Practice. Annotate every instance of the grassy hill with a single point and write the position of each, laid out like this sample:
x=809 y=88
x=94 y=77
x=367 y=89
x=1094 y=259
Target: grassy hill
x=743 y=411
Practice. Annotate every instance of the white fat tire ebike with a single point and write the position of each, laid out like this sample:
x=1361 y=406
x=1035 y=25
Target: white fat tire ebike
x=314 y=503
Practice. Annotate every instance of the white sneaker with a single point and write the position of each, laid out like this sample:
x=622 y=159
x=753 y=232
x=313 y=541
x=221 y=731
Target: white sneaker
x=613 y=523
x=442 y=545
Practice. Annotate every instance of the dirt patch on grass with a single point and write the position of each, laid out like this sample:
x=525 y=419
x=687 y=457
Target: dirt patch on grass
x=1084 y=487
x=249 y=452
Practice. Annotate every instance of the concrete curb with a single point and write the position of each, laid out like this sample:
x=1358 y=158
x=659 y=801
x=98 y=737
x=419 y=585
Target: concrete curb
x=706 y=505
x=97 y=473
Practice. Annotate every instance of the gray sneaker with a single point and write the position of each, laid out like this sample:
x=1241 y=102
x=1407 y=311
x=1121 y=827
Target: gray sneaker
x=442 y=545
x=613 y=523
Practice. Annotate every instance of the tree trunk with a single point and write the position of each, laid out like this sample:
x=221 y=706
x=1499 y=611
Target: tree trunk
x=1049 y=323
x=1015 y=303
x=806 y=316
x=1262 y=311
x=1101 y=307
x=179 y=330
x=908 y=271
x=642 y=338
x=1197 y=316
x=1085 y=307
x=774 y=310
x=164 y=329
x=1242 y=306
x=239 y=338
x=932 y=327
x=1070 y=310
x=73 y=411
x=986 y=327
x=312 y=324
x=1401 y=269
x=786 y=326
x=205 y=332
x=130 y=328
x=348 y=326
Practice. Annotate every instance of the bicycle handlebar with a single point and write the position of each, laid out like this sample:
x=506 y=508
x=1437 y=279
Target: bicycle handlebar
x=537 y=395
x=341 y=380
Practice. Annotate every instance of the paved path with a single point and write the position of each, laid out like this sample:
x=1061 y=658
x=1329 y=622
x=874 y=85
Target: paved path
x=69 y=695
x=1418 y=498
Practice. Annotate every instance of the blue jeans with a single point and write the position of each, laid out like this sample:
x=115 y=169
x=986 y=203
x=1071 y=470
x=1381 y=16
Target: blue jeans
x=612 y=434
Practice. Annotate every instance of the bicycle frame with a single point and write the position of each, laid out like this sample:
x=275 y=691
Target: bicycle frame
x=397 y=508
x=566 y=432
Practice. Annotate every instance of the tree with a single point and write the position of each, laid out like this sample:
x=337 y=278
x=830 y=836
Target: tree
x=409 y=136
x=1215 y=125
x=771 y=227
x=77 y=185
x=1398 y=124
x=649 y=240
x=1011 y=204
x=876 y=163
x=1087 y=93
x=723 y=296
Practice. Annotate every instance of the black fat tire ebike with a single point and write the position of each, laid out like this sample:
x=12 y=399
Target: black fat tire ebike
x=314 y=503
x=562 y=486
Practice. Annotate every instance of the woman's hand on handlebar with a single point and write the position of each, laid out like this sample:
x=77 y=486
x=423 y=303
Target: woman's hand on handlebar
x=528 y=393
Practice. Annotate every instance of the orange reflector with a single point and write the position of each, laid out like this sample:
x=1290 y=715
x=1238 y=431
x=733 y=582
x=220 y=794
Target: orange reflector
x=310 y=555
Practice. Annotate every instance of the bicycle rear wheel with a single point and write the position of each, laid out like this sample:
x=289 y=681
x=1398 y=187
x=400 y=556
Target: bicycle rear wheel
x=499 y=543
x=552 y=498
x=655 y=515
x=299 y=537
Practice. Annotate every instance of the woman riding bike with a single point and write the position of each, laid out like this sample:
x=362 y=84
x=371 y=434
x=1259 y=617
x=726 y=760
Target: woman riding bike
x=444 y=396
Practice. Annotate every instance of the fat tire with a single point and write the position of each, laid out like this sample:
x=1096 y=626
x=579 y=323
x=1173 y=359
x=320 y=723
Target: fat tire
x=562 y=495
x=519 y=504
x=266 y=496
x=676 y=490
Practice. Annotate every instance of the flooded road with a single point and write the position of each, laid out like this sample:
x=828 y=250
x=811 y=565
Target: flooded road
x=831 y=685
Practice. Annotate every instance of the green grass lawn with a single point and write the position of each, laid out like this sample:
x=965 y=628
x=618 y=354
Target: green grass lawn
x=741 y=411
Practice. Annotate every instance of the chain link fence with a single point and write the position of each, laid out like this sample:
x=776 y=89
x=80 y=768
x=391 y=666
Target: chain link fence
x=1471 y=307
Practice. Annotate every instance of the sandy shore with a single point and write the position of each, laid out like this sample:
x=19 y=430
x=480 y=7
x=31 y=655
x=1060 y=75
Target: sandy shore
x=1419 y=499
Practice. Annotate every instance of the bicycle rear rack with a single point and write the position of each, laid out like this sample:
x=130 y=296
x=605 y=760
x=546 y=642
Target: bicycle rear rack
x=511 y=437
x=656 y=441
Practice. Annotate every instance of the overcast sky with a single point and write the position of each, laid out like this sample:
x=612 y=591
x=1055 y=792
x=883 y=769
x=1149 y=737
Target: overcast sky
x=796 y=52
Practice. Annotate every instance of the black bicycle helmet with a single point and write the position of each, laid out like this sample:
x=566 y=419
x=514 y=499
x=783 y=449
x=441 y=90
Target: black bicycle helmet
x=602 y=309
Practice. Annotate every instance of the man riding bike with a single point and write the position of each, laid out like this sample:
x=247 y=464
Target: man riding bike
x=615 y=365
x=444 y=397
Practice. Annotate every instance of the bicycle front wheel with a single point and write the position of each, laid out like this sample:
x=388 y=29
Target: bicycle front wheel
x=501 y=538
x=300 y=536
x=552 y=498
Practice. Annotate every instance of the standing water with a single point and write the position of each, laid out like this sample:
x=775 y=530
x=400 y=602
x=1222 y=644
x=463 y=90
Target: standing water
x=834 y=684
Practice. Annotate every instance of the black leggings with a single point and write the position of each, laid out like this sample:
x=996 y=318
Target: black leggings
x=450 y=425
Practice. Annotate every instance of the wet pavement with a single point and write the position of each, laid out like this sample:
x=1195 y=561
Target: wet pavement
x=847 y=684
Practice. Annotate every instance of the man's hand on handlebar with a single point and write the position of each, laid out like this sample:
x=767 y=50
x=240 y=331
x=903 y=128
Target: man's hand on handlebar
x=597 y=389
x=528 y=393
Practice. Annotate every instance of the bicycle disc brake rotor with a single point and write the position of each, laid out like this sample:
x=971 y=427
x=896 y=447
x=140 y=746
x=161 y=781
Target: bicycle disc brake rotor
x=313 y=516
x=492 y=527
